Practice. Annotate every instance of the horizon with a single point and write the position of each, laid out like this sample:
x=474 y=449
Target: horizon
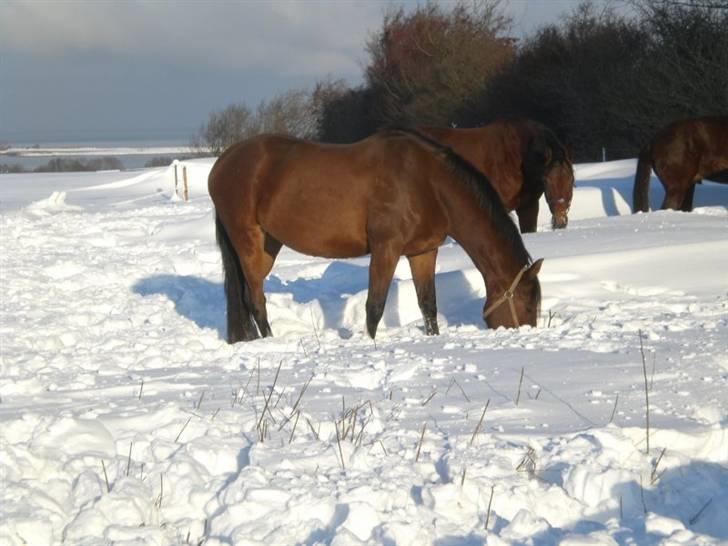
x=71 y=76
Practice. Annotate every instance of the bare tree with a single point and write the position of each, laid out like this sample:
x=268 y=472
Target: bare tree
x=227 y=126
x=292 y=112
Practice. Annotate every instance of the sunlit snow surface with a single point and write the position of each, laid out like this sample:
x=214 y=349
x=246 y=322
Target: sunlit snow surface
x=125 y=418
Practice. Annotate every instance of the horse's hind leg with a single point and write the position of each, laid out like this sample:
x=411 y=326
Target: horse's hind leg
x=423 y=276
x=381 y=270
x=257 y=252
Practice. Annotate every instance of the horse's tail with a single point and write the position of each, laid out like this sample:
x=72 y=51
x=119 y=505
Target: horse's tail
x=641 y=190
x=240 y=326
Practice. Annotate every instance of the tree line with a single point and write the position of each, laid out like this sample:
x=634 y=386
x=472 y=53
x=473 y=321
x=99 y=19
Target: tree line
x=604 y=81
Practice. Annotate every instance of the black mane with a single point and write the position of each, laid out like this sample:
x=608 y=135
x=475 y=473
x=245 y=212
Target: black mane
x=487 y=197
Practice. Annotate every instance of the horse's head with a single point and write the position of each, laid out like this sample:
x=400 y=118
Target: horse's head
x=515 y=305
x=559 y=186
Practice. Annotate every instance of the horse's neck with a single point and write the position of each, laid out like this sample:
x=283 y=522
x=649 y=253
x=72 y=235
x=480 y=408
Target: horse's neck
x=475 y=231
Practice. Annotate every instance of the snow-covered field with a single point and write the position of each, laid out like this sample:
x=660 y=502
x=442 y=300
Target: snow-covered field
x=126 y=419
x=79 y=151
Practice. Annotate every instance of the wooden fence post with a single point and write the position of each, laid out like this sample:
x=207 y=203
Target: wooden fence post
x=175 y=177
x=184 y=178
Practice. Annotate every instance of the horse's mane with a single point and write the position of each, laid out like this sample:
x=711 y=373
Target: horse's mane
x=487 y=198
x=558 y=150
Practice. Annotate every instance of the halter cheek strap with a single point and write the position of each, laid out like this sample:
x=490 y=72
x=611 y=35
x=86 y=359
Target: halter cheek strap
x=508 y=296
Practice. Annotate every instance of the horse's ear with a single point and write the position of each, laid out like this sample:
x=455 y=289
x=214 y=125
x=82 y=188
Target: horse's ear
x=533 y=271
x=548 y=155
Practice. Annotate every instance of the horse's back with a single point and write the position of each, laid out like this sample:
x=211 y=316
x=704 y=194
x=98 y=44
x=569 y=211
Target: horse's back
x=322 y=199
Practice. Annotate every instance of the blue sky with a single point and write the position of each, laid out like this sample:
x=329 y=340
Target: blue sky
x=88 y=71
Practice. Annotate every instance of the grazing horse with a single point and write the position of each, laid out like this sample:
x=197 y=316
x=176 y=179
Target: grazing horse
x=395 y=193
x=682 y=154
x=522 y=159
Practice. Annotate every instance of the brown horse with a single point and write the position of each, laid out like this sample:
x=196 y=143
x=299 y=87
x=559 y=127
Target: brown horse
x=682 y=154
x=395 y=193
x=522 y=159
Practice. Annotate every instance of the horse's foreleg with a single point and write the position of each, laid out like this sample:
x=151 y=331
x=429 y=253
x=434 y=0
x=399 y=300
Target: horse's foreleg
x=528 y=216
x=423 y=276
x=687 y=204
x=257 y=259
x=381 y=270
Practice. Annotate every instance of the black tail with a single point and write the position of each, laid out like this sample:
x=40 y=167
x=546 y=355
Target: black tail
x=240 y=325
x=641 y=190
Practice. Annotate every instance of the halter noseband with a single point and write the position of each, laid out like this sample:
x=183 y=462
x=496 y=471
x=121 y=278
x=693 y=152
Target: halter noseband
x=508 y=296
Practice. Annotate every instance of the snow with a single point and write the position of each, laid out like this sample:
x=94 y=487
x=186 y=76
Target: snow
x=126 y=418
x=60 y=151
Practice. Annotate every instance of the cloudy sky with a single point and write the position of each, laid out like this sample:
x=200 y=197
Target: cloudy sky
x=97 y=70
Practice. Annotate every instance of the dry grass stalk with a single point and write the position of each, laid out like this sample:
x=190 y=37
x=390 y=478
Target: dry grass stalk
x=257 y=386
x=477 y=427
x=360 y=436
x=552 y=315
x=199 y=402
x=467 y=398
x=419 y=444
x=183 y=429
x=263 y=430
x=528 y=463
x=270 y=395
x=106 y=477
x=427 y=400
x=158 y=502
x=353 y=422
x=300 y=395
x=696 y=517
x=141 y=389
x=520 y=383
x=490 y=503
x=128 y=459
x=295 y=424
x=614 y=409
x=313 y=430
x=383 y=448
x=449 y=386
x=647 y=396
x=462 y=477
x=280 y=395
x=303 y=347
x=315 y=329
x=244 y=390
x=654 y=476
x=341 y=452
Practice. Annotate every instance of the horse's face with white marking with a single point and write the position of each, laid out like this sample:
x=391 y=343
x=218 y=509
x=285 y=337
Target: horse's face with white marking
x=559 y=188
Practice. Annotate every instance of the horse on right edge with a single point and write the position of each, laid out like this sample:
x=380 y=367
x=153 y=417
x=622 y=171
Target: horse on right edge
x=682 y=154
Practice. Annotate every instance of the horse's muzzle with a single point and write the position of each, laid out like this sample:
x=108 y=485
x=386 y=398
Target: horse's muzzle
x=559 y=222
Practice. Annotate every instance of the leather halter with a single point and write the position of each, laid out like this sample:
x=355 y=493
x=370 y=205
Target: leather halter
x=508 y=296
